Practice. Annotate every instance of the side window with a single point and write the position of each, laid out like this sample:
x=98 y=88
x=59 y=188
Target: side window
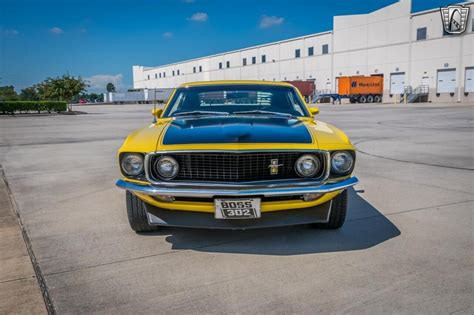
x=310 y=51
x=177 y=104
x=325 y=49
x=296 y=105
x=264 y=58
x=220 y=65
x=421 y=33
x=254 y=60
x=228 y=64
x=297 y=53
x=244 y=61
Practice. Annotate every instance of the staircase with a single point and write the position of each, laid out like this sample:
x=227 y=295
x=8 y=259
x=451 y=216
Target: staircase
x=419 y=94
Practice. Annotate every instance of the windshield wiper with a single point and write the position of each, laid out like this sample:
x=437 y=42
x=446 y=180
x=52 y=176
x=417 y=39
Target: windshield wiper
x=201 y=112
x=262 y=112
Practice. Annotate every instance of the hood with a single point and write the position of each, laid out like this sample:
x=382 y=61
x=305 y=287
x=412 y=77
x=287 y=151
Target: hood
x=234 y=130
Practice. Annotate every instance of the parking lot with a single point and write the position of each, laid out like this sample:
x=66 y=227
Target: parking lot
x=406 y=247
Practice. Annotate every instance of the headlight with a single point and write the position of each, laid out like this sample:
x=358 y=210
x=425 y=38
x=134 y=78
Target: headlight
x=307 y=165
x=132 y=164
x=342 y=162
x=167 y=167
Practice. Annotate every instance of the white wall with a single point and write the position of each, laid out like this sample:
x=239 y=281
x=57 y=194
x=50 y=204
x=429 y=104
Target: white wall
x=381 y=42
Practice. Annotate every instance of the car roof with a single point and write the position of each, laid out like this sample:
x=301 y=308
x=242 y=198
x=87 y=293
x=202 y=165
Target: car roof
x=235 y=82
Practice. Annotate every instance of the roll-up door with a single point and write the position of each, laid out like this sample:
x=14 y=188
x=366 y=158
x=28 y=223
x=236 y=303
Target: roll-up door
x=446 y=81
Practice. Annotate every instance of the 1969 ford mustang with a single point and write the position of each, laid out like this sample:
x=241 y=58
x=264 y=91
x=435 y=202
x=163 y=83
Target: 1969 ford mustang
x=236 y=155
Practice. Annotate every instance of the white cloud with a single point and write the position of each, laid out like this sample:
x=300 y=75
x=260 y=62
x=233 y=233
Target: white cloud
x=98 y=82
x=167 y=34
x=56 y=30
x=198 y=17
x=10 y=32
x=269 y=21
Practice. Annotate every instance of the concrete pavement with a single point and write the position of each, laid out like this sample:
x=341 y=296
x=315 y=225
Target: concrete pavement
x=406 y=246
x=19 y=289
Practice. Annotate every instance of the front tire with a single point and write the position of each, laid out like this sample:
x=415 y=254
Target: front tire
x=337 y=217
x=136 y=213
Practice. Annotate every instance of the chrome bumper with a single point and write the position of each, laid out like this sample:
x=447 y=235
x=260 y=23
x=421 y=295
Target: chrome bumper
x=209 y=192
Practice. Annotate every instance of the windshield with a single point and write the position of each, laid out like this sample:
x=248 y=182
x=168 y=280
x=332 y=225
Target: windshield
x=236 y=100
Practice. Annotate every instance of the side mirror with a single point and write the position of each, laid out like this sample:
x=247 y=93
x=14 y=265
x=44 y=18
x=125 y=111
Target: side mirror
x=157 y=112
x=314 y=110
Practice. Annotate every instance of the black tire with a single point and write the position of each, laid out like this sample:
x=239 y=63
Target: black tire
x=362 y=99
x=370 y=99
x=137 y=214
x=338 y=213
x=353 y=100
x=377 y=99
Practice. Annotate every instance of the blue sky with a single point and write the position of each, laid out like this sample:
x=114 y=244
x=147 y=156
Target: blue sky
x=101 y=40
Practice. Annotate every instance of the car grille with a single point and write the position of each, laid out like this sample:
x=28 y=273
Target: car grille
x=234 y=167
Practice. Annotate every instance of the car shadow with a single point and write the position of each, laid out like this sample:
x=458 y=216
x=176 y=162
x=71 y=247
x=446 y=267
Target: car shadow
x=365 y=227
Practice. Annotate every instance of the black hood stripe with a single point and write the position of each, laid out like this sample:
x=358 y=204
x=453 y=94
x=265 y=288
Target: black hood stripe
x=236 y=130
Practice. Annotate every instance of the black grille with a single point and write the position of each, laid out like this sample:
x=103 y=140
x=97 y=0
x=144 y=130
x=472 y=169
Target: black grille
x=234 y=167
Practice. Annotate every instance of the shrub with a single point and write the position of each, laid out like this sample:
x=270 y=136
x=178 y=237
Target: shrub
x=12 y=107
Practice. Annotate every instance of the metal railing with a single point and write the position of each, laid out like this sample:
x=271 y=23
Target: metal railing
x=411 y=95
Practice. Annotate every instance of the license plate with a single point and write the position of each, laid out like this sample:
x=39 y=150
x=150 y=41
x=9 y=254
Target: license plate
x=248 y=208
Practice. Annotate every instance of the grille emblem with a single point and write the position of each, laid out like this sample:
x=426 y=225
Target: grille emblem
x=274 y=166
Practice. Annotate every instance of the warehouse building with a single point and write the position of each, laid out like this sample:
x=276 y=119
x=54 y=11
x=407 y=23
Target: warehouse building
x=408 y=49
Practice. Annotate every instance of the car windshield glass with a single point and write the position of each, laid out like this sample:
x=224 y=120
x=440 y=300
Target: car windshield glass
x=239 y=99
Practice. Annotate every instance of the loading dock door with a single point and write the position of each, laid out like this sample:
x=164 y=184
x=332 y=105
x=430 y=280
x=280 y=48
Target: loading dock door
x=446 y=82
x=397 y=83
x=469 y=84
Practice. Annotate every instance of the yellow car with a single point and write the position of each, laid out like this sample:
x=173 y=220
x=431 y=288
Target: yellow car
x=236 y=155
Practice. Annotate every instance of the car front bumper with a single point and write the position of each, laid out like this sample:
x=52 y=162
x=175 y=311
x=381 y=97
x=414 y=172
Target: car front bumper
x=210 y=192
x=163 y=217
x=294 y=214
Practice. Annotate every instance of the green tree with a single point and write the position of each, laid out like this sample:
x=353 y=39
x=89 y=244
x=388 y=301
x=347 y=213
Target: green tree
x=8 y=93
x=29 y=94
x=110 y=87
x=64 y=88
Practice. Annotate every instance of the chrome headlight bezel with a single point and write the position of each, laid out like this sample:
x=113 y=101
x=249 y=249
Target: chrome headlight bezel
x=171 y=161
x=132 y=164
x=305 y=173
x=342 y=162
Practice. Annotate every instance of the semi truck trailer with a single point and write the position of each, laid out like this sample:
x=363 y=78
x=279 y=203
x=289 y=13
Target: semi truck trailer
x=361 y=89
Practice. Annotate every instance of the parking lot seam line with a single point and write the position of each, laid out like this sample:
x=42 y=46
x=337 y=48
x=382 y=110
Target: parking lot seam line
x=418 y=163
x=58 y=142
x=233 y=241
x=410 y=210
x=39 y=275
x=449 y=128
x=148 y=256
x=18 y=279
x=424 y=184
